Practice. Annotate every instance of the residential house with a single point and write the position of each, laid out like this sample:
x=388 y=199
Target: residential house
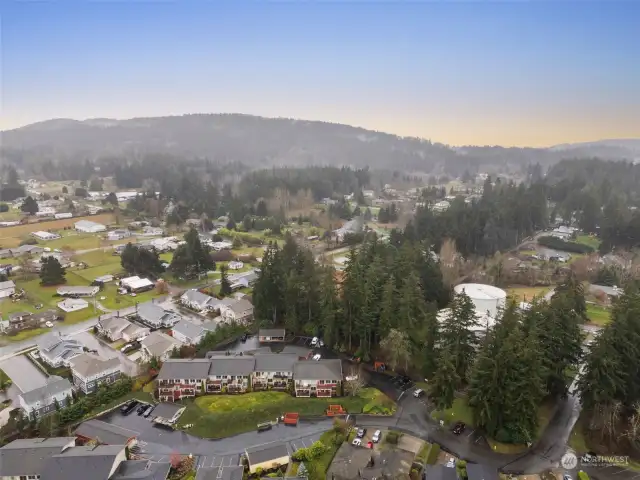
x=24 y=320
x=167 y=413
x=134 y=332
x=42 y=400
x=356 y=225
x=196 y=300
x=240 y=311
x=610 y=293
x=136 y=284
x=180 y=378
x=112 y=327
x=7 y=288
x=25 y=458
x=158 y=345
x=89 y=371
x=441 y=206
x=243 y=280
x=95 y=430
x=440 y=472
x=77 y=291
x=270 y=335
x=73 y=304
x=187 y=332
x=477 y=471
x=118 y=234
x=41 y=235
x=21 y=250
x=220 y=473
x=57 y=349
x=156 y=317
x=81 y=463
x=317 y=378
x=230 y=374
x=87 y=226
x=273 y=371
x=60 y=216
x=267 y=456
x=143 y=470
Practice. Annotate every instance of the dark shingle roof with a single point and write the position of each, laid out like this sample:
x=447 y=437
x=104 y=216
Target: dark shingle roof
x=275 y=362
x=440 y=472
x=477 y=471
x=264 y=453
x=105 y=432
x=142 y=470
x=220 y=473
x=318 y=370
x=77 y=462
x=224 y=365
x=184 y=368
x=27 y=456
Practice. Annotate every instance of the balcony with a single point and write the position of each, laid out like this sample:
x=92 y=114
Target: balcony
x=280 y=385
x=303 y=393
x=187 y=392
x=165 y=391
x=214 y=388
x=324 y=394
x=235 y=388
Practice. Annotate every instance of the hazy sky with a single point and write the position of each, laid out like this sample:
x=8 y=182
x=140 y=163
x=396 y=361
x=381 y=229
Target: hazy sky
x=510 y=73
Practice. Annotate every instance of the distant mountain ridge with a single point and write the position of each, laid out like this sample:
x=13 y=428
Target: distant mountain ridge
x=261 y=142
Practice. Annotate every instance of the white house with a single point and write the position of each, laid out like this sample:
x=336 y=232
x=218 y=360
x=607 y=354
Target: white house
x=441 y=206
x=77 y=291
x=196 y=300
x=73 y=304
x=235 y=265
x=59 y=216
x=7 y=288
x=158 y=345
x=42 y=235
x=43 y=400
x=88 y=226
x=136 y=284
x=118 y=234
x=156 y=317
x=187 y=332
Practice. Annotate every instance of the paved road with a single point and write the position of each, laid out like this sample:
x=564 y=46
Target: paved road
x=24 y=374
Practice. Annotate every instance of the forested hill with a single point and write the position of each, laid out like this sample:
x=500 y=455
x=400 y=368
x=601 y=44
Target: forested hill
x=259 y=142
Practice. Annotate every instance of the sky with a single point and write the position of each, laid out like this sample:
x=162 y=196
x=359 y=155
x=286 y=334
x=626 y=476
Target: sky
x=485 y=73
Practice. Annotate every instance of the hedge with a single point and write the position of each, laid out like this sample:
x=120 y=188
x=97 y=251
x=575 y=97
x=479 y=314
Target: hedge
x=583 y=475
x=559 y=244
x=432 y=456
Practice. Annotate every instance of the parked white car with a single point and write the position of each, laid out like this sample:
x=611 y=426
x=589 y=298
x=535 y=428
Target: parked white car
x=317 y=357
x=49 y=324
x=376 y=436
x=314 y=341
x=356 y=442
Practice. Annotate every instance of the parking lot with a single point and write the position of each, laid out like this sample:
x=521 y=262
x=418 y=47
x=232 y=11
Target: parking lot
x=24 y=374
x=218 y=461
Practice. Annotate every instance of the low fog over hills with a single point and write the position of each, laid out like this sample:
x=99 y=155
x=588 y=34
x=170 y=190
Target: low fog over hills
x=259 y=142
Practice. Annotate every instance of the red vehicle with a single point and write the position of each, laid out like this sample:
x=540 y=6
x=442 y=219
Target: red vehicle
x=291 y=419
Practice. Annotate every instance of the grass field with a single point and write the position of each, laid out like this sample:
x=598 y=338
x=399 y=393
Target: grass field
x=218 y=416
x=526 y=294
x=598 y=315
x=593 y=242
x=11 y=236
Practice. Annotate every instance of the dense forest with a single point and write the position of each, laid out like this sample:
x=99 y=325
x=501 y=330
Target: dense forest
x=503 y=217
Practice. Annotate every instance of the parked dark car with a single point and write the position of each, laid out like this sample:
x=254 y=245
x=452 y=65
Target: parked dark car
x=458 y=428
x=148 y=411
x=140 y=410
x=128 y=407
x=244 y=337
x=263 y=427
x=361 y=432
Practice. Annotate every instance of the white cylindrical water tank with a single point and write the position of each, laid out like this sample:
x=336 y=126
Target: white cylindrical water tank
x=486 y=298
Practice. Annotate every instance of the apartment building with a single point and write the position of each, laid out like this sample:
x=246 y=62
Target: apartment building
x=90 y=371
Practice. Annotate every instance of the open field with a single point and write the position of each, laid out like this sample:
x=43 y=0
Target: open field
x=218 y=416
x=598 y=315
x=11 y=236
x=592 y=241
x=526 y=294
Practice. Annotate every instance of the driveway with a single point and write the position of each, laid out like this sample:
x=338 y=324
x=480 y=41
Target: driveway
x=24 y=374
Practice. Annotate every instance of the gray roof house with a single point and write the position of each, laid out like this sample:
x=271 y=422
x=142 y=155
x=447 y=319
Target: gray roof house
x=275 y=362
x=26 y=457
x=57 y=349
x=330 y=369
x=158 y=345
x=143 y=470
x=196 y=300
x=106 y=433
x=187 y=332
x=80 y=463
x=264 y=456
x=89 y=371
x=225 y=365
x=155 y=316
x=113 y=327
x=43 y=400
x=220 y=473
x=182 y=368
x=239 y=311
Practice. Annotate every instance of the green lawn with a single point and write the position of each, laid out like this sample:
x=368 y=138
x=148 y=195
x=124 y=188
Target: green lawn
x=99 y=258
x=598 y=315
x=90 y=274
x=218 y=416
x=593 y=242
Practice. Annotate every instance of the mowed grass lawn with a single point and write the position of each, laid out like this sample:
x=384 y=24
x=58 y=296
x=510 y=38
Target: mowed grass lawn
x=593 y=242
x=598 y=315
x=218 y=416
x=526 y=294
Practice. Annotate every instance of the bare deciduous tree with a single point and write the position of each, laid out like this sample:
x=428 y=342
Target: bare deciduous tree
x=449 y=258
x=354 y=380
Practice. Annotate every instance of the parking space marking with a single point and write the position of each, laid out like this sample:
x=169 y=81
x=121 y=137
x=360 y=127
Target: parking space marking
x=471 y=433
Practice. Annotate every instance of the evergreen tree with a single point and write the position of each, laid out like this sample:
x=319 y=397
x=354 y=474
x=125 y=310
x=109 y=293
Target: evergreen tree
x=458 y=337
x=225 y=285
x=192 y=258
x=51 y=272
x=29 y=206
x=141 y=261
x=112 y=199
x=261 y=209
x=572 y=289
x=443 y=384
